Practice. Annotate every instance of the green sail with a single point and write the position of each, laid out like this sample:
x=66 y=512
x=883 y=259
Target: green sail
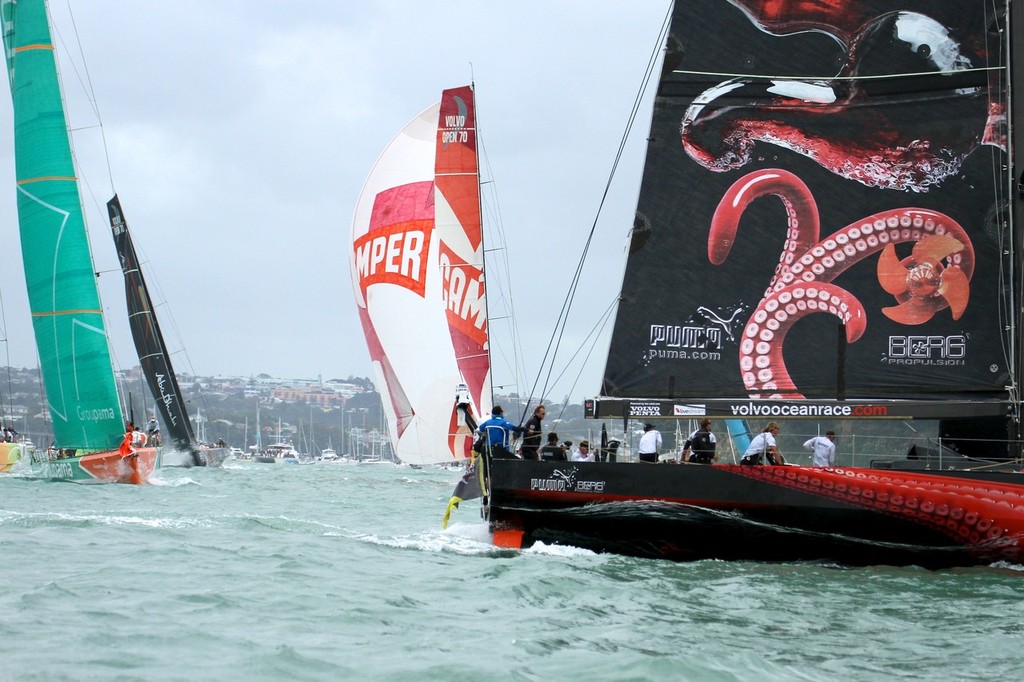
x=66 y=312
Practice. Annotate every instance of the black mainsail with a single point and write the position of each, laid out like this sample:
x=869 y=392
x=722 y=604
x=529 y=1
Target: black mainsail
x=824 y=169
x=149 y=342
x=828 y=226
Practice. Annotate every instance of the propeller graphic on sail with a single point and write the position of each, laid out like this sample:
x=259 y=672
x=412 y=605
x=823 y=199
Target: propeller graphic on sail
x=921 y=283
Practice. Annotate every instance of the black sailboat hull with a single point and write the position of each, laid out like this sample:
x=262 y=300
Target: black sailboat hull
x=210 y=456
x=197 y=456
x=691 y=512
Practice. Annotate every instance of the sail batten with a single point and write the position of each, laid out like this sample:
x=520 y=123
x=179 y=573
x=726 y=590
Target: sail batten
x=29 y=181
x=50 y=313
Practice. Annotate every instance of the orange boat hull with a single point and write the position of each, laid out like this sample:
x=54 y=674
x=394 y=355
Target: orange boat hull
x=109 y=466
x=113 y=467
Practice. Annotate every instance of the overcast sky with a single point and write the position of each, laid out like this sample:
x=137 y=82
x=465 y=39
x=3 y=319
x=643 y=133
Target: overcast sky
x=240 y=133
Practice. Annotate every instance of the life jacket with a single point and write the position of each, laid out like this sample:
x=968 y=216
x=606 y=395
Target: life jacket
x=701 y=444
x=126 y=444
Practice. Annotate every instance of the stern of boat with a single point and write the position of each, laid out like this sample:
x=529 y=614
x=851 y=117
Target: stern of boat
x=212 y=456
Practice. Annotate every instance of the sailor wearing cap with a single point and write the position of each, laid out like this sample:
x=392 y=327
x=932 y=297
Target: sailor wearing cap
x=499 y=432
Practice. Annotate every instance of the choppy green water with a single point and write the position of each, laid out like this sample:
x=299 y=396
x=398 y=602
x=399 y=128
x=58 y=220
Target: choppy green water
x=335 y=572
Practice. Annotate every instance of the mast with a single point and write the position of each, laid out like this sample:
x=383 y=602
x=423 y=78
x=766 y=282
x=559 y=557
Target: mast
x=484 y=409
x=1014 y=41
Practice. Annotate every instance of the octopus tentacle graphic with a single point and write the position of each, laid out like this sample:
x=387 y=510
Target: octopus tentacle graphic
x=801 y=211
x=761 y=348
x=836 y=122
x=807 y=265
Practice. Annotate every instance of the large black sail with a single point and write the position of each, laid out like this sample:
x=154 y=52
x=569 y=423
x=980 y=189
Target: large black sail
x=149 y=342
x=825 y=206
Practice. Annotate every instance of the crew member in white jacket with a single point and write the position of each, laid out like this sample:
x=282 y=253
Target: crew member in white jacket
x=824 y=449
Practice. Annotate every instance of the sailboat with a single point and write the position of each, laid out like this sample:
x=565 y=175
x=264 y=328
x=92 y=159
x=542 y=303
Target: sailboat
x=281 y=451
x=154 y=358
x=71 y=338
x=417 y=274
x=875 y=147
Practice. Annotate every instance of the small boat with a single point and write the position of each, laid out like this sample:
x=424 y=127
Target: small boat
x=70 y=331
x=330 y=456
x=375 y=459
x=890 y=191
x=278 y=453
x=420 y=205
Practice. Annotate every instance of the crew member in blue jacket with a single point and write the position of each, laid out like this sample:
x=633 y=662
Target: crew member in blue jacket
x=499 y=432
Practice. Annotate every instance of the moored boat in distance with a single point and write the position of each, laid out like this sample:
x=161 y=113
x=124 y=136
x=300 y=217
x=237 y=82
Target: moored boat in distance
x=890 y=193
x=278 y=453
x=375 y=459
x=70 y=333
x=329 y=455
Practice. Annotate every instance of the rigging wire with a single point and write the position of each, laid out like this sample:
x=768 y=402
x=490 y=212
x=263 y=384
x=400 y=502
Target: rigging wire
x=75 y=55
x=502 y=285
x=593 y=336
x=84 y=80
x=503 y=281
x=6 y=400
x=75 y=59
x=554 y=343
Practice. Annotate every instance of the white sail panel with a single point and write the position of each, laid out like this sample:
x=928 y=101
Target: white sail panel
x=397 y=286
